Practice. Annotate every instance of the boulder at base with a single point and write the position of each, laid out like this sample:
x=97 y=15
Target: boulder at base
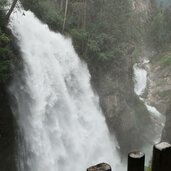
x=100 y=167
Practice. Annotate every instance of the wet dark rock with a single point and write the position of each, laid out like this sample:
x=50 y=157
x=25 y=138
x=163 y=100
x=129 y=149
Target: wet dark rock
x=100 y=167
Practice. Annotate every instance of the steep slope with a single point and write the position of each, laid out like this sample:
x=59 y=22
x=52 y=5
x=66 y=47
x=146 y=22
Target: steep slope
x=159 y=92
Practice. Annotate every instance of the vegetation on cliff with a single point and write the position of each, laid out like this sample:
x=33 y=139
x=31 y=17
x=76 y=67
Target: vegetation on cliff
x=8 y=55
x=160 y=28
x=160 y=34
x=7 y=52
x=100 y=29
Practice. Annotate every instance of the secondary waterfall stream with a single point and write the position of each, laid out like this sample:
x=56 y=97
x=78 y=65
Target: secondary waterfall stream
x=60 y=121
x=141 y=79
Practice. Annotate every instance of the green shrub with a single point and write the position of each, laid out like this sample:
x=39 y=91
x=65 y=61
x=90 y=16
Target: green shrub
x=4 y=40
x=165 y=60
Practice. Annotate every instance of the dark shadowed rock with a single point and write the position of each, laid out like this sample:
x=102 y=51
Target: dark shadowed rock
x=7 y=133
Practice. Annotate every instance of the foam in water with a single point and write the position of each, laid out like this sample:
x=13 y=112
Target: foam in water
x=61 y=124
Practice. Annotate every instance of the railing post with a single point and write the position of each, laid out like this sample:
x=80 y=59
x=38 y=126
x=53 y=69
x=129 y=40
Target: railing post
x=100 y=167
x=136 y=161
x=161 y=157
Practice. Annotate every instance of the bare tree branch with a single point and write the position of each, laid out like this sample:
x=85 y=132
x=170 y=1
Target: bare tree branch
x=11 y=9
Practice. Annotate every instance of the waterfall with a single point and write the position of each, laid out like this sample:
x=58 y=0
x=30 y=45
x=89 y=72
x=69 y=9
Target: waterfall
x=140 y=78
x=60 y=121
x=158 y=120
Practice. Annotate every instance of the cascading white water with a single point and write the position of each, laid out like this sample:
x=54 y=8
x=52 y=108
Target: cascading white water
x=140 y=76
x=141 y=80
x=58 y=114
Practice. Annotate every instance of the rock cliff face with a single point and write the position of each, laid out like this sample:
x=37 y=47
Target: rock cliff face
x=7 y=133
x=125 y=114
x=159 y=85
x=159 y=78
x=159 y=94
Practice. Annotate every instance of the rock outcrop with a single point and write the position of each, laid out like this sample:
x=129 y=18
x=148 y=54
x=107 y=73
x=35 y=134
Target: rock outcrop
x=125 y=114
x=159 y=89
x=100 y=167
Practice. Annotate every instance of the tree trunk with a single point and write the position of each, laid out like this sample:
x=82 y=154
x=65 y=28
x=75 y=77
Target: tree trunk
x=65 y=15
x=11 y=9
